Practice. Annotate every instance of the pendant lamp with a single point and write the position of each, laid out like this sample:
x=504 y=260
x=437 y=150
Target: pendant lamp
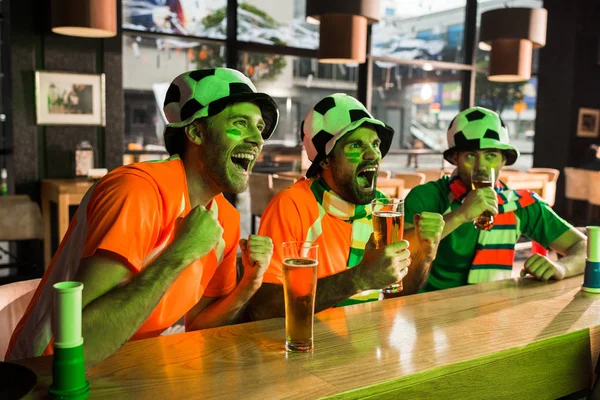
x=84 y=18
x=343 y=28
x=511 y=34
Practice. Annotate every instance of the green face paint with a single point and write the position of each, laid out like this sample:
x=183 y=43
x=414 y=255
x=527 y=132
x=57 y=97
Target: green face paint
x=234 y=134
x=353 y=156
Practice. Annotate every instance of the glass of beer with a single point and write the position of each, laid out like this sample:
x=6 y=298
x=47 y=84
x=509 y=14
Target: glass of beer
x=481 y=179
x=300 y=261
x=388 y=228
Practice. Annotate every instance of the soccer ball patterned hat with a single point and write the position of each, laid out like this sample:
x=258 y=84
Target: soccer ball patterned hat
x=478 y=128
x=329 y=120
x=206 y=92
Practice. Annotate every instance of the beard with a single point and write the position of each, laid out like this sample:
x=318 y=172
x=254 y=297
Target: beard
x=220 y=170
x=347 y=185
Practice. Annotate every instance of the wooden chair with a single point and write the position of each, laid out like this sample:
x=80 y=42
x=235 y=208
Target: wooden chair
x=549 y=192
x=431 y=174
x=384 y=174
x=260 y=194
x=14 y=299
x=411 y=179
x=291 y=174
x=280 y=183
x=593 y=195
x=526 y=181
x=576 y=188
x=392 y=187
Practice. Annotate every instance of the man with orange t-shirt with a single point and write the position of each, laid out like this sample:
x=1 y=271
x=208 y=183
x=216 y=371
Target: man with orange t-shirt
x=154 y=242
x=332 y=208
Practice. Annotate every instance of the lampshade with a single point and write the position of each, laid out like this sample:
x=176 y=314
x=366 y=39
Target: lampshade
x=84 y=18
x=343 y=39
x=510 y=60
x=366 y=8
x=513 y=23
x=343 y=28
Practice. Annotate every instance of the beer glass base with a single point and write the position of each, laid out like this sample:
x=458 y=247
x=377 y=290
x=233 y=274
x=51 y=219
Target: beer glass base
x=302 y=347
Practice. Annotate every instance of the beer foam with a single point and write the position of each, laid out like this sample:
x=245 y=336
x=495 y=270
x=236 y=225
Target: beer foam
x=300 y=262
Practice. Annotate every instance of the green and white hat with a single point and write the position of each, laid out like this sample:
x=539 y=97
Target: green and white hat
x=330 y=119
x=478 y=128
x=204 y=93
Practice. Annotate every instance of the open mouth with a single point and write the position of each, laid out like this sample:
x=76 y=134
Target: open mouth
x=366 y=177
x=242 y=161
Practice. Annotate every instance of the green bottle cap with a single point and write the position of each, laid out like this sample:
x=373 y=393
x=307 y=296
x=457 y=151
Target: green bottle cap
x=67 y=314
x=68 y=375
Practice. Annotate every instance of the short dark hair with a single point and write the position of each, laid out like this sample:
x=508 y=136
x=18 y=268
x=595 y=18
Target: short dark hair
x=176 y=139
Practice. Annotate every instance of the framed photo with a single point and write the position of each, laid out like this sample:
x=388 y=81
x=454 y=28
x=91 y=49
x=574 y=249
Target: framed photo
x=65 y=98
x=588 y=123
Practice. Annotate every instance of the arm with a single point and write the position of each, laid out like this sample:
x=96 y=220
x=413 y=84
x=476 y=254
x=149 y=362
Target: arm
x=378 y=269
x=572 y=245
x=452 y=221
x=424 y=237
x=210 y=312
x=112 y=311
x=268 y=302
x=476 y=202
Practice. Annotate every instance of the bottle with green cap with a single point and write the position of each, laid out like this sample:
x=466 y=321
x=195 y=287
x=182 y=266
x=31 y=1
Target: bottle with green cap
x=68 y=368
x=591 y=276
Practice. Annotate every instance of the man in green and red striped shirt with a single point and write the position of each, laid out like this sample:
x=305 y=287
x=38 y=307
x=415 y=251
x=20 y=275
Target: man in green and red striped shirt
x=478 y=141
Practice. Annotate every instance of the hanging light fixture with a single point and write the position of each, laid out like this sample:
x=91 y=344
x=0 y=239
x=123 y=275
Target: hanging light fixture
x=511 y=34
x=84 y=18
x=343 y=28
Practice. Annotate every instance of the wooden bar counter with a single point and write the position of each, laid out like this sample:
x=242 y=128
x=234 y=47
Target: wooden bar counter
x=513 y=339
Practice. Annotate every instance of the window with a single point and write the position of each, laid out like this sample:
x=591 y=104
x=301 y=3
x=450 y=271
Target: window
x=419 y=30
x=284 y=24
x=296 y=84
x=416 y=103
x=456 y=36
x=425 y=35
x=149 y=66
x=178 y=17
x=515 y=102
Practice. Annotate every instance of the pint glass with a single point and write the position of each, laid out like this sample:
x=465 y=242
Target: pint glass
x=481 y=179
x=300 y=261
x=388 y=228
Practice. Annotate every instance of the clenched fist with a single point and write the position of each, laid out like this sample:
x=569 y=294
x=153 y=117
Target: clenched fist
x=543 y=268
x=256 y=257
x=196 y=234
x=382 y=267
x=429 y=227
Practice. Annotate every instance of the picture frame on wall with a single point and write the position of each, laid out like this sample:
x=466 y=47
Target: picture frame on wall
x=67 y=98
x=588 y=123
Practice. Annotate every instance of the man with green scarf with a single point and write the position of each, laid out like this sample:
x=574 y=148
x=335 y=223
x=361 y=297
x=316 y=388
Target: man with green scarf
x=478 y=143
x=331 y=207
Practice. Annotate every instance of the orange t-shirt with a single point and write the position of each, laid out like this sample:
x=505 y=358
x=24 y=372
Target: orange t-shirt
x=289 y=216
x=132 y=212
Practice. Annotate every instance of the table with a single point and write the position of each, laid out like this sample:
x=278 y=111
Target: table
x=517 y=339
x=65 y=193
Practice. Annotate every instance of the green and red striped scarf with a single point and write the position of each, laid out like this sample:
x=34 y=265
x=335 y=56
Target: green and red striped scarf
x=495 y=251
